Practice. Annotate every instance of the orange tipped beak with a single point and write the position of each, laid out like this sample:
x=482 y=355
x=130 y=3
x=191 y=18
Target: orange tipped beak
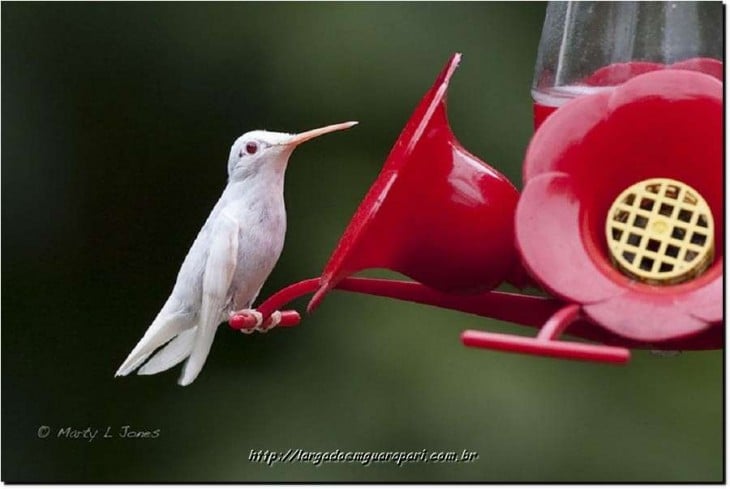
x=306 y=136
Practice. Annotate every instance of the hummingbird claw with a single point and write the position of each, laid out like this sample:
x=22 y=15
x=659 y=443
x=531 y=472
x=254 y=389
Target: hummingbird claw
x=271 y=323
x=241 y=320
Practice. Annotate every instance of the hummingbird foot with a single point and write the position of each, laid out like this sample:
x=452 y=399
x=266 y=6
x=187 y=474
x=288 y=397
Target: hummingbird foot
x=246 y=321
x=249 y=320
x=271 y=323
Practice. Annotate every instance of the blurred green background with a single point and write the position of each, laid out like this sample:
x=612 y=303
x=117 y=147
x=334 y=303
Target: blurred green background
x=117 y=119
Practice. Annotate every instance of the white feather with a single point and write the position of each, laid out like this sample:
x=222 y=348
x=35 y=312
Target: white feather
x=171 y=354
x=165 y=326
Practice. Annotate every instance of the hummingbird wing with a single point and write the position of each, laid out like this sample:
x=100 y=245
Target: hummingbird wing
x=220 y=267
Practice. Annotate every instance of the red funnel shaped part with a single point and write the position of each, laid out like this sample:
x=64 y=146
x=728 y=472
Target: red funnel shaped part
x=436 y=213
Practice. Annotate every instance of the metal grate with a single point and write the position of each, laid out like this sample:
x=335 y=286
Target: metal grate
x=660 y=231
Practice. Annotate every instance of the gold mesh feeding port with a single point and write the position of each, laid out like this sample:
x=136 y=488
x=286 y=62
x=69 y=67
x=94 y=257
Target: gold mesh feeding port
x=660 y=231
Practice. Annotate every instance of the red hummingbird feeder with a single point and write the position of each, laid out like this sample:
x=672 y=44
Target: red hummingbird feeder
x=619 y=221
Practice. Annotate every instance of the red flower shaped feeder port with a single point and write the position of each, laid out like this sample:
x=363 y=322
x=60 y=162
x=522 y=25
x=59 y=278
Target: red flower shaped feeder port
x=663 y=124
x=634 y=162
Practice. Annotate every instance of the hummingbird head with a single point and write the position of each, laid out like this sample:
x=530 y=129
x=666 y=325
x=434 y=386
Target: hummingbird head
x=258 y=151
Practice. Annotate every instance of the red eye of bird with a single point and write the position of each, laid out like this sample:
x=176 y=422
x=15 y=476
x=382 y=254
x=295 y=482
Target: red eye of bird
x=251 y=148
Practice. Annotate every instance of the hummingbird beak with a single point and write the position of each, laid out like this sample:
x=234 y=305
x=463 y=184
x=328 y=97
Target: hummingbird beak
x=298 y=139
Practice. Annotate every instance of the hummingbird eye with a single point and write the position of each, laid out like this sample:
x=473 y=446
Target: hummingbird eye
x=251 y=147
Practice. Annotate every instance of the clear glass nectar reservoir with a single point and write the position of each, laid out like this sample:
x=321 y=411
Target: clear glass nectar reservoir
x=587 y=46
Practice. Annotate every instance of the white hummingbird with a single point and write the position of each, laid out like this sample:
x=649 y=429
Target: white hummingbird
x=231 y=258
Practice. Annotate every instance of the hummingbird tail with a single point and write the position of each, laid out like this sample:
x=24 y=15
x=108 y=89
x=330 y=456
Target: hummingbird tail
x=164 y=327
x=177 y=350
